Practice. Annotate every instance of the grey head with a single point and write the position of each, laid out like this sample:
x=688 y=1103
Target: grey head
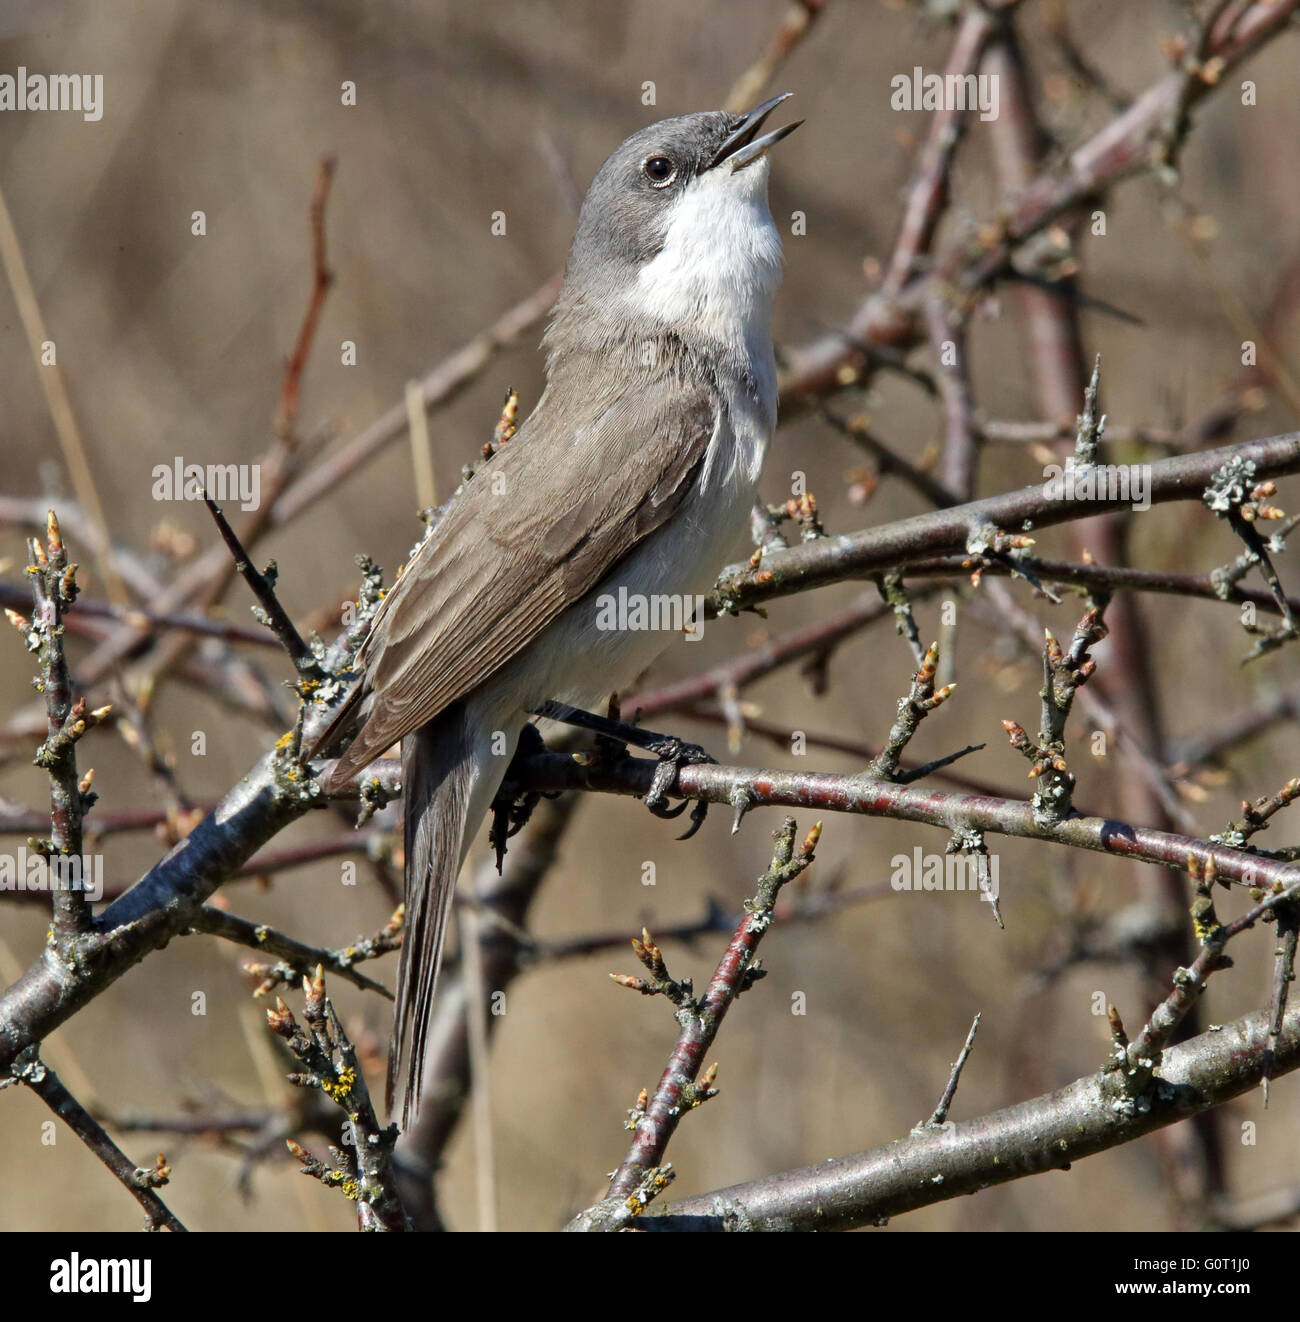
x=675 y=235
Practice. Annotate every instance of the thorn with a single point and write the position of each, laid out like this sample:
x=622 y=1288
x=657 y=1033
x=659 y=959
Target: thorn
x=742 y=803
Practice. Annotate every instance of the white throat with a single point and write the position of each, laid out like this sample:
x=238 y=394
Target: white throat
x=720 y=264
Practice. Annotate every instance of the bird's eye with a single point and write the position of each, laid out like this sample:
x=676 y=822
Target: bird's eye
x=659 y=170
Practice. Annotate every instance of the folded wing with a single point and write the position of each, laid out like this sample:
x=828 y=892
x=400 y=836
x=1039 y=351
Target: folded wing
x=501 y=565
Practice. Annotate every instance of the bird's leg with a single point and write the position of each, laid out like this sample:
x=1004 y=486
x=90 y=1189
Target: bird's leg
x=673 y=753
x=511 y=808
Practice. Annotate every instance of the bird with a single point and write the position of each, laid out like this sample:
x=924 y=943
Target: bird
x=635 y=473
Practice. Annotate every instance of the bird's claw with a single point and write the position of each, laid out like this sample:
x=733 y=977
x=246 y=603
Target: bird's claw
x=673 y=754
x=511 y=808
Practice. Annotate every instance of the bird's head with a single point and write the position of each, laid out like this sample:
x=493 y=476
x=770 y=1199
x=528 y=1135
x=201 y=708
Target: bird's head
x=675 y=230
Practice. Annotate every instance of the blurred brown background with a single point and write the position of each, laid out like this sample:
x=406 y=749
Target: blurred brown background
x=173 y=345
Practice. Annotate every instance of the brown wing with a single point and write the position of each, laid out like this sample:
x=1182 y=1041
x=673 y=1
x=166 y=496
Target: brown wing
x=539 y=525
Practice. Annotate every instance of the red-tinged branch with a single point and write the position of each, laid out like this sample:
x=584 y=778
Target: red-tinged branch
x=286 y=418
x=811 y=642
x=700 y=1020
x=1111 y=578
x=1133 y=140
x=795 y=26
x=927 y=198
x=746 y=788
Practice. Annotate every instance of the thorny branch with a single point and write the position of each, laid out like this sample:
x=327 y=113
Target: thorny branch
x=642 y=1176
x=363 y=1168
x=921 y=295
x=1046 y=1133
x=140 y=1182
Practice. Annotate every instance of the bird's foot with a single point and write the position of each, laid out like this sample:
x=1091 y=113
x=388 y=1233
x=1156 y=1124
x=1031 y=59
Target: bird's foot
x=673 y=754
x=513 y=806
x=613 y=737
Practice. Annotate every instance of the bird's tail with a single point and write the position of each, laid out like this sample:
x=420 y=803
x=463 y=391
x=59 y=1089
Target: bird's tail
x=438 y=774
x=451 y=770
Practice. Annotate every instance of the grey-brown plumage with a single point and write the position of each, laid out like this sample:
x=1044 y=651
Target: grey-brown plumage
x=636 y=470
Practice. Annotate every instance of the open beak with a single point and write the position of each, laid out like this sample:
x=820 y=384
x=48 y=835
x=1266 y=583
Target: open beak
x=744 y=147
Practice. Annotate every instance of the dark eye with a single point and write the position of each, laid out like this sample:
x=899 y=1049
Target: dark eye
x=659 y=170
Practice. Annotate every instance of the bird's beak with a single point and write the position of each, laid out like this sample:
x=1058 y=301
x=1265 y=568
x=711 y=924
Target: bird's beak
x=742 y=148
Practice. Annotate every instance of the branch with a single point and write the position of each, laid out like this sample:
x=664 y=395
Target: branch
x=297 y=958
x=967 y=527
x=653 y=1124
x=139 y=1182
x=365 y=1174
x=1047 y=1133
x=824 y=792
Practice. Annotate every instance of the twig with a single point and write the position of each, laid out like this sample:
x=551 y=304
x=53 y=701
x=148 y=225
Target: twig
x=50 y=375
x=641 y=1173
x=889 y=461
x=1046 y=1133
x=812 y=641
x=795 y=26
x=263 y=586
x=1255 y=816
x=1064 y=672
x=1110 y=578
x=139 y=1182
x=912 y=710
x=940 y=1114
x=297 y=958
x=54 y=588
x=286 y=416
x=141 y=617
x=364 y=1172
x=829 y=560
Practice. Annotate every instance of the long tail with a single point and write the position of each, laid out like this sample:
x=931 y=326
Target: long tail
x=438 y=774
x=451 y=770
